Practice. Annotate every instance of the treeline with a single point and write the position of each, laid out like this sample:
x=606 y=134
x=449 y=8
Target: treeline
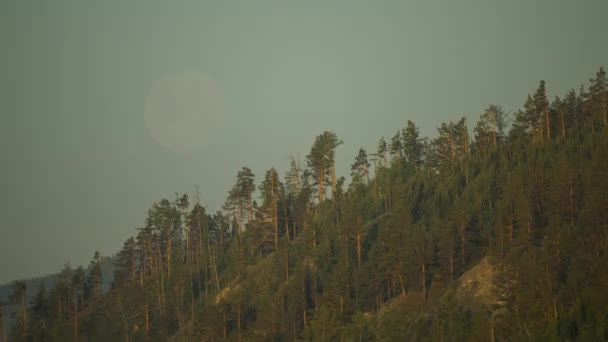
x=306 y=257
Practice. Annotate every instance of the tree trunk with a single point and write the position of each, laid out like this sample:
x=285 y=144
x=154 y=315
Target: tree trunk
x=151 y=256
x=466 y=141
x=451 y=262
x=403 y=293
x=541 y=131
x=462 y=244
x=286 y=263
x=359 y=241
x=305 y=325
x=141 y=273
x=169 y=254
x=333 y=181
x=24 y=308
x=562 y=122
x=224 y=331
x=274 y=213
x=75 y=323
x=187 y=237
x=548 y=126
x=200 y=252
x=238 y=322
x=147 y=315
x=162 y=280
x=286 y=217
x=424 y=281
x=124 y=321
x=452 y=148
x=3 y=324
x=217 y=279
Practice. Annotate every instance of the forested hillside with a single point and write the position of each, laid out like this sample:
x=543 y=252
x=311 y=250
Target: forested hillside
x=493 y=230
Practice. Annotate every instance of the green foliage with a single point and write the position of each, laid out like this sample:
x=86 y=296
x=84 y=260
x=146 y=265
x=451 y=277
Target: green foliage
x=501 y=237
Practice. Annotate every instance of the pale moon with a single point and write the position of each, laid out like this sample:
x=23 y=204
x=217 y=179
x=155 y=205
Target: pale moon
x=182 y=110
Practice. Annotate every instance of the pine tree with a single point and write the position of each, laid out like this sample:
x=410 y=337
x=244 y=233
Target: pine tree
x=321 y=161
x=598 y=96
x=360 y=168
x=541 y=108
x=412 y=144
x=382 y=151
x=40 y=314
x=270 y=189
x=396 y=148
x=125 y=263
x=3 y=320
x=18 y=295
x=528 y=121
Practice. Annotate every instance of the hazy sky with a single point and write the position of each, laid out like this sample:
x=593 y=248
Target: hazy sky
x=108 y=106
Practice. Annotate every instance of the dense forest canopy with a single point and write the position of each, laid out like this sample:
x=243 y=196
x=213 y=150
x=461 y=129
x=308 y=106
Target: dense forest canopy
x=496 y=230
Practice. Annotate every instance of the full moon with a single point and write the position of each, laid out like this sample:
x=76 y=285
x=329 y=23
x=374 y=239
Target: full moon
x=182 y=110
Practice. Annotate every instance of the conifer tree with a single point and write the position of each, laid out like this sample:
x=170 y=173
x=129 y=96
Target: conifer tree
x=598 y=96
x=18 y=295
x=412 y=143
x=396 y=148
x=541 y=107
x=382 y=151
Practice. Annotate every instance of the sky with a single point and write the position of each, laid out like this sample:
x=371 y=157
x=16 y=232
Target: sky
x=109 y=106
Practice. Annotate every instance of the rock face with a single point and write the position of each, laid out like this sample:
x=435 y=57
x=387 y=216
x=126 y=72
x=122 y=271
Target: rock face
x=477 y=286
x=479 y=289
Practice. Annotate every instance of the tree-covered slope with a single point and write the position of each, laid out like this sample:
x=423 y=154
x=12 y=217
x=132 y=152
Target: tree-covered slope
x=492 y=232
